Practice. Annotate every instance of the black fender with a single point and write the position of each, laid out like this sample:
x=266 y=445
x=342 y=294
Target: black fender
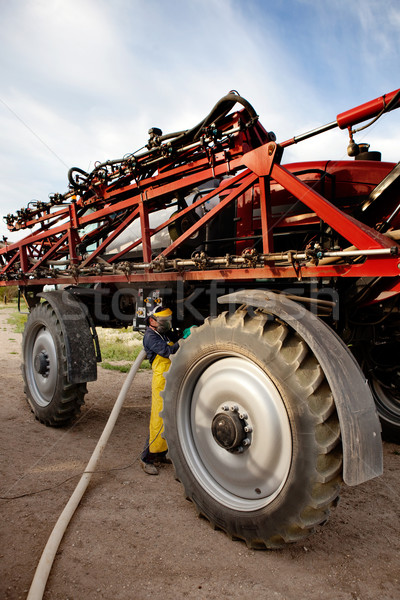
x=359 y=423
x=75 y=326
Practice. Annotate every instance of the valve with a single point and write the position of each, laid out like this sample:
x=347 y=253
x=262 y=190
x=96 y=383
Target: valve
x=353 y=149
x=154 y=139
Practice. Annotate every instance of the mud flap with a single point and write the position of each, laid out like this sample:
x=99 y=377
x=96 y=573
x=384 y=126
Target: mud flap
x=359 y=423
x=81 y=355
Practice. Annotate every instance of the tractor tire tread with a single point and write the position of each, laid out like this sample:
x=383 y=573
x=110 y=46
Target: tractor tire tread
x=285 y=348
x=69 y=397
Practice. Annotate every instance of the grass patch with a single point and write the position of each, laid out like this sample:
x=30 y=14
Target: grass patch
x=9 y=293
x=120 y=346
x=111 y=367
x=122 y=368
x=116 y=351
x=17 y=321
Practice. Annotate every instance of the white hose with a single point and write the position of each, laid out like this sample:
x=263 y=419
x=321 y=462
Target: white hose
x=46 y=561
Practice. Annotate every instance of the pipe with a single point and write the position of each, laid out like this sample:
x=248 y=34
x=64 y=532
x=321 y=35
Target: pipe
x=369 y=110
x=351 y=117
x=43 y=569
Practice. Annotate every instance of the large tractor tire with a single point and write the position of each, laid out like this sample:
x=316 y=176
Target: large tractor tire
x=379 y=360
x=252 y=429
x=53 y=400
x=387 y=401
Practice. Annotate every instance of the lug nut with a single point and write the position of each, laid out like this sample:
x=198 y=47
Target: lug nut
x=248 y=429
x=246 y=442
x=235 y=408
x=243 y=416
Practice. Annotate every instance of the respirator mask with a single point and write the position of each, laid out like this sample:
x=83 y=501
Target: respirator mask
x=164 y=324
x=163 y=318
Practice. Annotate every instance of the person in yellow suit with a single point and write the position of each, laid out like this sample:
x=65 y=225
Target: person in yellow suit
x=158 y=348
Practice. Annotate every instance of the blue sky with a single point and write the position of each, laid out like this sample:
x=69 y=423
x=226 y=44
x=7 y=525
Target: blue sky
x=84 y=80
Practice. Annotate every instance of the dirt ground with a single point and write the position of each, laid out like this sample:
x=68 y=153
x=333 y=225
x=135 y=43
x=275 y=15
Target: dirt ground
x=135 y=536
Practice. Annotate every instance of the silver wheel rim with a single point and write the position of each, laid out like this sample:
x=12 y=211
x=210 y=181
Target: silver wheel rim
x=41 y=386
x=244 y=481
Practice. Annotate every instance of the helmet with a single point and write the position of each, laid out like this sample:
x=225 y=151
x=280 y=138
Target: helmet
x=163 y=316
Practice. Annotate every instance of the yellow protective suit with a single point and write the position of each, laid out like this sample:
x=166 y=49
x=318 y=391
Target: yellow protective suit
x=160 y=366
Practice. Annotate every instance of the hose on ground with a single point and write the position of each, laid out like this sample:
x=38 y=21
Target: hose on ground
x=43 y=569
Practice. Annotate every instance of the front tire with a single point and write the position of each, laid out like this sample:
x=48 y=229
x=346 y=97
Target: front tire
x=252 y=429
x=53 y=400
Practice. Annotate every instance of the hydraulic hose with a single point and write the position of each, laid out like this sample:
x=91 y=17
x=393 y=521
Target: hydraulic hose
x=218 y=112
x=46 y=561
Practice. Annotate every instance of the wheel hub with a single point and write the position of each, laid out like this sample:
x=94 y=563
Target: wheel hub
x=249 y=474
x=229 y=429
x=41 y=363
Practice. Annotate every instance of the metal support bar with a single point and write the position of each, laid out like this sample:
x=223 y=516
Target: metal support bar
x=73 y=241
x=266 y=217
x=354 y=231
x=145 y=227
x=224 y=185
x=49 y=253
x=111 y=237
x=23 y=258
x=248 y=181
x=305 y=136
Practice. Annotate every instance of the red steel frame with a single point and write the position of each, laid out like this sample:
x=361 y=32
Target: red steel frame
x=58 y=236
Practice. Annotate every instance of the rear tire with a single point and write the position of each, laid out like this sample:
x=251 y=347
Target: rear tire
x=53 y=400
x=252 y=429
x=387 y=402
x=379 y=361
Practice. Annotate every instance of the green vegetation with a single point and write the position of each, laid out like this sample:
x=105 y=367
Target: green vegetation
x=111 y=367
x=9 y=299
x=17 y=321
x=120 y=346
x=9 y=293
x=116 y=350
